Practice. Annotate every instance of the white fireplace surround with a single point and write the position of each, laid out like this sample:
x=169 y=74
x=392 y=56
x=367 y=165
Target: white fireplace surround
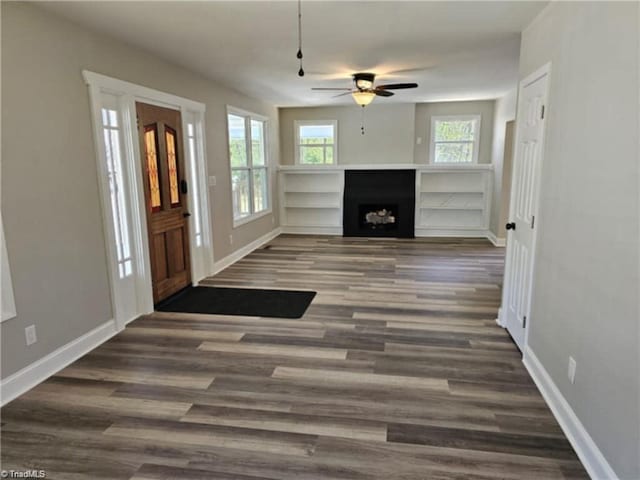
x=451 y=200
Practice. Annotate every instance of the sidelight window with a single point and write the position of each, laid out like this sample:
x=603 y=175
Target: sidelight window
x=112 y=137
x=192 y=153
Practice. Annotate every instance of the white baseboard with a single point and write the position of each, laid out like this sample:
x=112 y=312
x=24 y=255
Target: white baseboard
x=499 y=318
x=498 y=242
x=244 y=251
x=20 y=382
x=453 y=232
x=419 y=233
x=586 y=449
x=23 y=380
x=311 y=230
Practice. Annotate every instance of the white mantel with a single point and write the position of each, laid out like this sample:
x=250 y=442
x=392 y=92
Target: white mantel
x=389 y=166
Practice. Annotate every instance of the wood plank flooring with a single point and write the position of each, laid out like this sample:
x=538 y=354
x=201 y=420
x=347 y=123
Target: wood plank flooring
x=396 y=371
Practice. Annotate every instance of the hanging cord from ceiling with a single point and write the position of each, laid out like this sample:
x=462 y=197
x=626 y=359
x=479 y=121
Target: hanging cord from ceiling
x=299 y=54
x=362 y=121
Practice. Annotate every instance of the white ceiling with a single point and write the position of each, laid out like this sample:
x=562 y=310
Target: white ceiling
x=454 y=50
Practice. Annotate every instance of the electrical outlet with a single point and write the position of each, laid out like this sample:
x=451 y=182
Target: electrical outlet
x=572 y=370
x=30 y=335
x=419 y=141
x=230 y=239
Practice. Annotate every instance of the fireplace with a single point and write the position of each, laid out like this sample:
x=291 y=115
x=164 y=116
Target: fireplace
x=379 y=203
x=378 y=217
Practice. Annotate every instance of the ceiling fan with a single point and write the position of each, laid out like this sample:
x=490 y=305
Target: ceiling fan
x=364 y=92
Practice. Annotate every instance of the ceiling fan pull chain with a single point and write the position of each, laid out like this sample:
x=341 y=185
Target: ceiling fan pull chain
x=362 y=121
x=299 y=54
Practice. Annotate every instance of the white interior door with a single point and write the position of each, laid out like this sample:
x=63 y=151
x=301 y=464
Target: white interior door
x=516 y=294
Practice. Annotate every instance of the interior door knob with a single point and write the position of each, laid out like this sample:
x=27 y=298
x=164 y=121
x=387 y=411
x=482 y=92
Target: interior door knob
x=510 y=226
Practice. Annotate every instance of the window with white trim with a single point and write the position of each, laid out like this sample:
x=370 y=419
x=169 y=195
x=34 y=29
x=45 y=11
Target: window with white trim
x=192 y=147
x=111 y=130
x=316 y=142
x=249 y=165
x=455 y=139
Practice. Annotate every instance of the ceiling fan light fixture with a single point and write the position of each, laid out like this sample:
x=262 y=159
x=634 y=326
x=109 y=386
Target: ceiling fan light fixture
x=363 y=84
x=363 y=98
x=363 y=91
x=364 y=81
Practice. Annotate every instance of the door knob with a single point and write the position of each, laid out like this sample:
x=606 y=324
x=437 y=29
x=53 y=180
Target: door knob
x=510 y=226
x=186 y=214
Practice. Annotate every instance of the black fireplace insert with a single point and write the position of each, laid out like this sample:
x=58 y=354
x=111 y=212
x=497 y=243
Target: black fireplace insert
x=379 y=203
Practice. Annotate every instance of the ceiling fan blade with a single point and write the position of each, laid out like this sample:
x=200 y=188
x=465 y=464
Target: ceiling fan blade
x=341 y=89
x=383 y=93
x=397 y=86
x=404 y=71
x=342 y=94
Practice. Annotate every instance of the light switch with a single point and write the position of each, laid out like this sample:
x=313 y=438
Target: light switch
x=212 y=181
x=572 y=370
x=30 y=335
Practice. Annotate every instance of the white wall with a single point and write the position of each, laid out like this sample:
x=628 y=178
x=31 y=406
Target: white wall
x=505 y=110
x=50 y=200
x=586 y=284
x=388 y=132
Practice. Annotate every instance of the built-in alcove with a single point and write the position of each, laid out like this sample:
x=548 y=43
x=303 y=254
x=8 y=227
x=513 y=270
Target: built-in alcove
x=379 y=203
x=450 y=200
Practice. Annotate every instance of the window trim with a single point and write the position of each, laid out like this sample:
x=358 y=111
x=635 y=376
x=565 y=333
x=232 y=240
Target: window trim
x=476 y=140
x=296 y=132
x=231 y=110
x=8 y=307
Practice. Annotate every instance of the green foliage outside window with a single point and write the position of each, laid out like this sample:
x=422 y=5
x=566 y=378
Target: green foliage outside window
x=249 y=180
x=238 y=152
x=455 y=130
x=454 y=141
x=316 y=155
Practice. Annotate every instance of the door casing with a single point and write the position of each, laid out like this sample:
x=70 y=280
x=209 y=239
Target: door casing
x=136 y=298
x=545 y=70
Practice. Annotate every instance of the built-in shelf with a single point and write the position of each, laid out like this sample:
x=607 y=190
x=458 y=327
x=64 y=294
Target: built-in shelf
x=312 y=191
x=315 y=207
x=464 y=219
x=450 y=190
x=451 y=200
x=450 y=208
x=311 y=198
x=314 y=217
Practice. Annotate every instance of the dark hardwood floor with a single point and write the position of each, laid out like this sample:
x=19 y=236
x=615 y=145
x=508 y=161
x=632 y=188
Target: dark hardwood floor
x=397 y=371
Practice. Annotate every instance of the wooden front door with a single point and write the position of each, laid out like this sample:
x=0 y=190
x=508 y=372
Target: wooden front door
x=165 y=190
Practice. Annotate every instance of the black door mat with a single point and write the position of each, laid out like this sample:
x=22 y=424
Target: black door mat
x=249 y=302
